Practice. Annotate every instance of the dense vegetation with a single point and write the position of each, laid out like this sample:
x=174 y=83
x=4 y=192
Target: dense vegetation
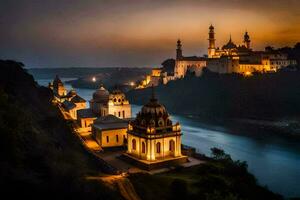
x=39 y=156
x=218 y=179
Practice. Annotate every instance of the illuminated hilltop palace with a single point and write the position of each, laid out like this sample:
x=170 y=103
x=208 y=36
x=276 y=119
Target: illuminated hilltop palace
x=153 y=140
x=231 y=58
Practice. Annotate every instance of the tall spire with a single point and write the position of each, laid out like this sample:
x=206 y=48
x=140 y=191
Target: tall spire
x=211 y=41
x=178 y=50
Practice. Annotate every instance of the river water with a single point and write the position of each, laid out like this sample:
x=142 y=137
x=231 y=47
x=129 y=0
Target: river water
x=274 y=161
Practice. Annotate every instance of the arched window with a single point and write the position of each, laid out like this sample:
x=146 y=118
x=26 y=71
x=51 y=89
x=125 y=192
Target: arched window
x=133 y=144
x=161 y=122
x=143 y=147
x=171 y=145
x=158 y=147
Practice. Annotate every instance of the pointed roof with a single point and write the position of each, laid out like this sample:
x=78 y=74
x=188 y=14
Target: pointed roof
x=110 y=122
x=57 y=81
x=230 y=44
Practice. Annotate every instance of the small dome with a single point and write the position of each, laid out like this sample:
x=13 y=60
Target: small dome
x=101 y=95
x=153 y=114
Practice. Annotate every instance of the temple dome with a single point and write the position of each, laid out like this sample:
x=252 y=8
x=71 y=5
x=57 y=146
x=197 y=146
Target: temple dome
x=101 y=95
x=153 y=114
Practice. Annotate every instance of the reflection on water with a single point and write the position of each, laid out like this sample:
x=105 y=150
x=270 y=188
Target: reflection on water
x=274 y=161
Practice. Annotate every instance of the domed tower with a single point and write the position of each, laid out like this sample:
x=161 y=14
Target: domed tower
x=118 y=105
x=247 y=40
x=99 y=101
x=211 y=42
x=153 y=137
x=178 y=50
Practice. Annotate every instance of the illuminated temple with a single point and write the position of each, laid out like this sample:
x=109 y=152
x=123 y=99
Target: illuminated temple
x=230 y=58
x=102 y=104
x=153 y=140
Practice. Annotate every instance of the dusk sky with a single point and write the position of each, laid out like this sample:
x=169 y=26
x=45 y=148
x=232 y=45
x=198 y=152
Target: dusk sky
x=136 y=33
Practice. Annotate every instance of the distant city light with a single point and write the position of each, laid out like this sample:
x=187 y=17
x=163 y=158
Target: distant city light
x=94 y=79
x=132 y=83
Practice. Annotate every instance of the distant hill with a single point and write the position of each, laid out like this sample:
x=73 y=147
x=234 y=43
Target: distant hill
x=74 y=72
x=262 y=96
x=110 y=77
x=39 y=157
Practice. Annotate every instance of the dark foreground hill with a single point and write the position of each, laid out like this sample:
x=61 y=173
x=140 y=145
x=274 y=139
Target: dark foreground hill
x=39 y=156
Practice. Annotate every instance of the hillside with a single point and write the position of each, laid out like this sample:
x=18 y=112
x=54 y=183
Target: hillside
x=40 y=158
x=218 y=96
x=220 y=178
x=214 y=97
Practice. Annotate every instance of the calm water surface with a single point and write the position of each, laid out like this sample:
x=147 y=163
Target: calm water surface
x=274 y=161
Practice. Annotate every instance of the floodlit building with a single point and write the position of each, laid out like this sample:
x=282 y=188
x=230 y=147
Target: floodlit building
x=153 y=140
x=118 y=105
x=72 y=103
x=110 y=131
x=58 y=88
x=230 y=58
x=68 y=102
x=102 y=104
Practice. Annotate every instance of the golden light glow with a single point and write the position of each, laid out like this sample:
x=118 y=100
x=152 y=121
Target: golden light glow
x=94 y=79
x=247 y=73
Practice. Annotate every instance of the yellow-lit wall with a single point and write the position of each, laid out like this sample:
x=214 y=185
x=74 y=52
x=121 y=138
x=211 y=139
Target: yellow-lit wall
x=182 y=66
x=156 y=72
x=86 y=124
x=121 y=111
x=108 y=138
x=61 y=91
x=150 y=147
